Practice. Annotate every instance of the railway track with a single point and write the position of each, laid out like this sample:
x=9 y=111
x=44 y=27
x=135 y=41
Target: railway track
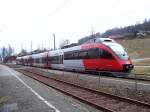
x=136 y=79
x=133 y=77
x=103 y=101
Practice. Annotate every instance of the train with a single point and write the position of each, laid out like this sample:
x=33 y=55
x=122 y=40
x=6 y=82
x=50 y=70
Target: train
x=101 y=54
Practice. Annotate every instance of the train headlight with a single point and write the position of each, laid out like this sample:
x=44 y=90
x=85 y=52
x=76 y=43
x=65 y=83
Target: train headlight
x=127 y=67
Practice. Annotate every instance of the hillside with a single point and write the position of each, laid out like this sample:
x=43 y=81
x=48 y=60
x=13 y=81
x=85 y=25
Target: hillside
x=137 y=47
x=128 y=30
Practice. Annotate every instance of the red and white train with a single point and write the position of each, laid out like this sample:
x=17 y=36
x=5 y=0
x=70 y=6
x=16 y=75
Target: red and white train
x=102 y=54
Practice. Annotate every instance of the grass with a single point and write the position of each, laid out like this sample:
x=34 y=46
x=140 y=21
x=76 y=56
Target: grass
x=2 y=99
x=137 y=47
x=142 y=63
x=142 y=70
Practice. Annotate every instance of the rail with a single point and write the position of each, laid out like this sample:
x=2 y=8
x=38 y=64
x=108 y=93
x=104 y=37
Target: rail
x=93 y=91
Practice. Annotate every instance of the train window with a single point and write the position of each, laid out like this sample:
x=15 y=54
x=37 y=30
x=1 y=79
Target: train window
x=55 y=60
x=75 y=55
x=40 y=60
x=70 y=55
x=83 y=54
x=93 y=53
x=105 y=54
x=62 y=59
x=37 y=60
x=67 y=55
x=43 y=60
x=48 y=59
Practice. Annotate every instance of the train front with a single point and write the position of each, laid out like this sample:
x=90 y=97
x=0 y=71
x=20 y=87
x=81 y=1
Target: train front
x=121 y=56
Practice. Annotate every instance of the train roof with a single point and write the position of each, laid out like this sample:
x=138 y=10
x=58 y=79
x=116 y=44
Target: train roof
x=105 y=41
x=100 y=40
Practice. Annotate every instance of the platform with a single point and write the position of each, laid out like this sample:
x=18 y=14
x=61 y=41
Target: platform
x=19 y=93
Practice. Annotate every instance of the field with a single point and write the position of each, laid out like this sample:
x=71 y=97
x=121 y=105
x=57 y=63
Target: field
x=138 y=48
x=145 y=62
x=142 y=70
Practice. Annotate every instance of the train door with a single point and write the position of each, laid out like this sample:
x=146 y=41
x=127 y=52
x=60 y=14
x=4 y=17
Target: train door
x=48 y=60
x=30 y=61
x=91 y=59
x=44 y=61
x=60 y=62
x=61 y=59
x=107 y=60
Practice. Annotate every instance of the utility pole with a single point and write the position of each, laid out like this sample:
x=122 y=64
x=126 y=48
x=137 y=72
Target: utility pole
x=54 y=42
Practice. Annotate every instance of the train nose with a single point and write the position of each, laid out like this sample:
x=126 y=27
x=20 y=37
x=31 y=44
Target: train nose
x=128 y=67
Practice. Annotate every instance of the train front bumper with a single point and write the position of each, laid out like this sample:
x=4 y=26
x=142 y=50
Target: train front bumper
x=128 y=67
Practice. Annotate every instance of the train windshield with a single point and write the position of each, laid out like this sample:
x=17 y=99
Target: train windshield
x=119 y=51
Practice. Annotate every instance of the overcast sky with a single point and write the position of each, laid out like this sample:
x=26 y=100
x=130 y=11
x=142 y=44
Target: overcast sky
x=23 y=21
